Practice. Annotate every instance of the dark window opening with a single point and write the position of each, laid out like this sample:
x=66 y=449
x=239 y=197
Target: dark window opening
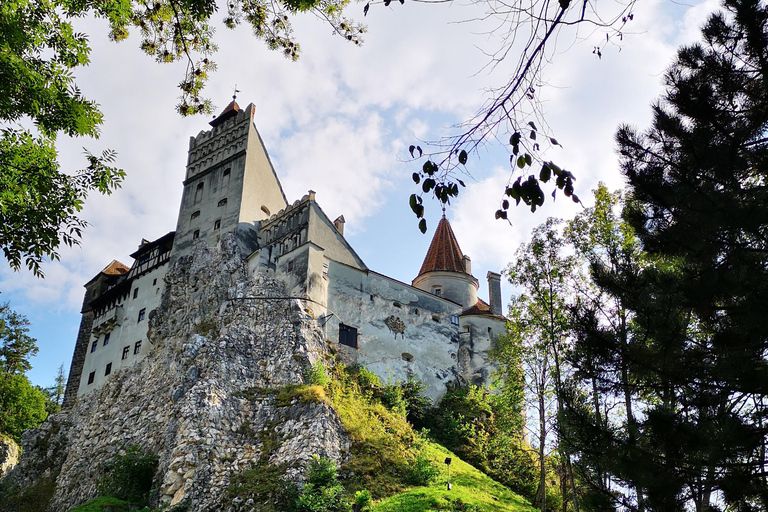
x=416 y=311
x=265 y=209
x=91 y=376
x=106 y=339
x=407 y=357
x=225 y=178
x=223 y=202
x=137 y=347
x=126 y=350
x=454 y=320
x=196 y=234
x=135 y=293
x=397 y=304
x=142 y=313
x=108 y=369
x=154 y=281
x=348 y=336
x=94 y=345
x=435 y=318
x=216 y=225
x=290 y=266
x=195 y=215
x=199 y=193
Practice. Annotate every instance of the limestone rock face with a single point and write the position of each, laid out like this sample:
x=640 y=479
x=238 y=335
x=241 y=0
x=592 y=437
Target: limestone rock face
x=9 y=454
x=215 y=339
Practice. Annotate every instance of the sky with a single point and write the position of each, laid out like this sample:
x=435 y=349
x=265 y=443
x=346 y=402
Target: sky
x=339 y=121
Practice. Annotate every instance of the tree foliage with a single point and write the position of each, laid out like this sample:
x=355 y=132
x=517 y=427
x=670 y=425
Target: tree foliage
x=17 y=346
x=22 y=405
x=694 y=360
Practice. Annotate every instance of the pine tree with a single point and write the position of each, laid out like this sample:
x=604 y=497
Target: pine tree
x=699 y=181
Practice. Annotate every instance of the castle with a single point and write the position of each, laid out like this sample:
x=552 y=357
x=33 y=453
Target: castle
x=435 y=330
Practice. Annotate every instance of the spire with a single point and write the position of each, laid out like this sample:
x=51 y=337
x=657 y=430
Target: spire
x=229 y=111
x=444 y=252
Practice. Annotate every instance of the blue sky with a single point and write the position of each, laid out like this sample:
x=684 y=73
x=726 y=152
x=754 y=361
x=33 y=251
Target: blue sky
x=339 y=121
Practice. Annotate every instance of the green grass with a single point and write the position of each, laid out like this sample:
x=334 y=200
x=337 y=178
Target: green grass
x=103 y=504
x=471 y=490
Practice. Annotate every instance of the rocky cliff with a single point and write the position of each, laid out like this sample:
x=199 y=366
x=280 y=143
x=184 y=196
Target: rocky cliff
x=200 y=400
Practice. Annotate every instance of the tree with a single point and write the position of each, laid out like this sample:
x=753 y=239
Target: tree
x=541 y=324
x=40 y=50
x=697 y=181
x=17 y=346
x=22 y=406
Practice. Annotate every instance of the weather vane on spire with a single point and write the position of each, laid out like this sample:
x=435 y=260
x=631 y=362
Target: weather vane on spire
x=234 y=96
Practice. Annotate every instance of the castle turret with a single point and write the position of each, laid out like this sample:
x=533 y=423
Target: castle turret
x=230 y=183
x=446 y=271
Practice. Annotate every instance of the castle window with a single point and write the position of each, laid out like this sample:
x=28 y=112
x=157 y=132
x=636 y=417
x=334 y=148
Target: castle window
x=347 y=336
x=195 y=214
x=397 y=304
x=199 y=193
x=223 y=202
x=94 y=345
x=454 y=320
x=407 y=357
x=154 y=281
x=137 y=347
x=135 y=292
x=290 y=266
x=108 y=369
x=106 y=339
x=142 y=313
x=91 y=376
x=225 y=178
x=437 y=290
x=126 y=351
x=196 y=234
x=265 y=209
x=435 y=318
x=416 y=311
x=216 y=225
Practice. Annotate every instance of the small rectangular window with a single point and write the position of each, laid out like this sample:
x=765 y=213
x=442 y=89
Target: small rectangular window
x=126 y=350
x=106 y=339
x=435 y=318
x=94 y=345
x=223 y=202
x=195 y=215
x=225 y=178
x=454 y=320
x=137 y=347
x=154 y=282
x=135 y=292
x=196 y=234
x=91 y=376
x=348 y=336
x=142 y=313
x=199 y=193
x=108 y=369
x=216 y=225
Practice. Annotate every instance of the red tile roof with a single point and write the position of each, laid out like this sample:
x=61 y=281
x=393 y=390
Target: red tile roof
x=229 y=111
x=115 y=269
x=444 y=252
x=480 y=308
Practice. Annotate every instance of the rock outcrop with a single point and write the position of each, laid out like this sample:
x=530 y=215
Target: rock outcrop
x=201 y=400
x=9 y=454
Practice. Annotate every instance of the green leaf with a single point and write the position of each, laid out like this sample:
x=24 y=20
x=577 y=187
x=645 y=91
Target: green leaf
x=545 y=173
x=416 y=178
x=428 y=185
x=521 y=162
x=423 y=226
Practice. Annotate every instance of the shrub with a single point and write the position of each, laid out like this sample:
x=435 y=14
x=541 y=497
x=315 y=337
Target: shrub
x=322 y=492
x=366 y=379
x=264 y=484
x=421 y=471
x=317 y=374
x=129 y=476
x=362 y=500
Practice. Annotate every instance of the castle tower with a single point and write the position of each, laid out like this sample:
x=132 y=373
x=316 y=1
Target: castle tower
x=446 y=271
x=230 y=183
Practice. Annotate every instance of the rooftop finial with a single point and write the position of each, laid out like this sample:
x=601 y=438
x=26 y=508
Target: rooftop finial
x=443 y=210
x=234 y=96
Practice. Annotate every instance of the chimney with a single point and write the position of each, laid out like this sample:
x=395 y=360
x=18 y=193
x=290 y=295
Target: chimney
x=494 y=292
x=339 y=224
x=467 y=264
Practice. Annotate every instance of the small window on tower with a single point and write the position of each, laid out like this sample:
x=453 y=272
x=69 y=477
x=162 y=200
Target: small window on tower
x=265 y=209
x=108 y=369
x=195 y=214
x=437 y=290
x=135 y=292
x=106 y=339
x=91 y=376
x=223 y=202
x=225 y=178
x=142 y=313
x=94 y=345
x=196 y=234
x=454 y=320
x=199 y=193
x=290 y=266
x=126 y=351
x=216 y=225
x=137 y=347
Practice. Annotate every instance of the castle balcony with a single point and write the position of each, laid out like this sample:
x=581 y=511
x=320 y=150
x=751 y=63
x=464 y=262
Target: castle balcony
x=107 y=321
